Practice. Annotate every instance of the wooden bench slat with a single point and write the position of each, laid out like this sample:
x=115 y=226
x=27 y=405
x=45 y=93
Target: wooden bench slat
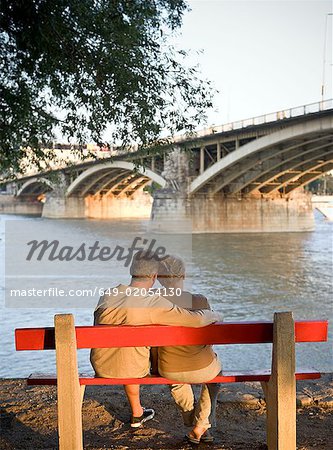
x=226 y=377
x=105 y=336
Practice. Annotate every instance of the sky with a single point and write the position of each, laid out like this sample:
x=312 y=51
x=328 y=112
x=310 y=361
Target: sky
x=262 y=56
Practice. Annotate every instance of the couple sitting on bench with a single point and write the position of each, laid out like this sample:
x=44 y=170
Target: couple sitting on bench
x=139 y=304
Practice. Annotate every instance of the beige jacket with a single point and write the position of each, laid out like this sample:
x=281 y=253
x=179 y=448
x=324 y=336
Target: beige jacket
x=121 y=309
x=187 y=358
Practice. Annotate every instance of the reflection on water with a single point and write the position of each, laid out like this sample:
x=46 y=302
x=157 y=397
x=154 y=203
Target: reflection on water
x=245 y=276
x=254 y=274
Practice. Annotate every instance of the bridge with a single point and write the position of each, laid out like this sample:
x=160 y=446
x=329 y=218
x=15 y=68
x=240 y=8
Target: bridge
x=244 y=176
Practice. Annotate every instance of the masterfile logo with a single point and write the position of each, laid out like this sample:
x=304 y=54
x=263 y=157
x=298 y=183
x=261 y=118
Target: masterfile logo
x=52 y=251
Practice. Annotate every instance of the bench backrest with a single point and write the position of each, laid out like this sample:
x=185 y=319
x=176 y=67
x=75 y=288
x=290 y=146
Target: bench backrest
x=104 y=336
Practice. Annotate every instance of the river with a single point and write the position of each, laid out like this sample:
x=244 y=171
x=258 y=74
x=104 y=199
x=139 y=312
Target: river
x=245 y=276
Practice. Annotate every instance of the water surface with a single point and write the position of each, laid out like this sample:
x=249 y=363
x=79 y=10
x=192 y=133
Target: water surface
x=245 y=276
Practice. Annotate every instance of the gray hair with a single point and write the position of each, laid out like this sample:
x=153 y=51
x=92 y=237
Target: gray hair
x=171 y=267
x=144 y=265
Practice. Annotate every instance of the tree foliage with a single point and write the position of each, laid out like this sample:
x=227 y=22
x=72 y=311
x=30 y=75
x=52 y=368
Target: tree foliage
x=84 y=66
x=322 y=186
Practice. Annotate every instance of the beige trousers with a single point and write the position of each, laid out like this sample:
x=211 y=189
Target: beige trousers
x=202 y=413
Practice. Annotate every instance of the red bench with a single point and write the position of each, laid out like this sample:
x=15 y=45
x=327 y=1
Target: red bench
x=279 y=385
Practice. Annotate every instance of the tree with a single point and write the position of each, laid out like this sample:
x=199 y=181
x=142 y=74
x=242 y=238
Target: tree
x=81 y=66
x=322 y=186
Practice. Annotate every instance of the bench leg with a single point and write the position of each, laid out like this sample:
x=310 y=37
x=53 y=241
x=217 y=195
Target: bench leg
x=83 y=388
x=280 y=390
x=70 y=394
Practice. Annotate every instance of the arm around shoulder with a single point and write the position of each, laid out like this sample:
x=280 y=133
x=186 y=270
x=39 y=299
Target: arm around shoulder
x=166 y=313
x=208 y=317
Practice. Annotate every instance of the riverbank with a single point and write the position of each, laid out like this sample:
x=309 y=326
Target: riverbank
x=29 y=418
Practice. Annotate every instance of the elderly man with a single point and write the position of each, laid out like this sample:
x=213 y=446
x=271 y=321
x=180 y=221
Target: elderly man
x=137 y=304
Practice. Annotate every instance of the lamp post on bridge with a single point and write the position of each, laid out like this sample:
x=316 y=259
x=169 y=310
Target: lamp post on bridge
x=324 y=61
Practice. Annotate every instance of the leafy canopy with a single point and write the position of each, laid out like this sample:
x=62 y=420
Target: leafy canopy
x=79 y=67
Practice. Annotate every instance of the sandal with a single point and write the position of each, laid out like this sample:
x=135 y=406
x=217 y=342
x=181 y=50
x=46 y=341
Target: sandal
x=207 y=437
x=192 y=440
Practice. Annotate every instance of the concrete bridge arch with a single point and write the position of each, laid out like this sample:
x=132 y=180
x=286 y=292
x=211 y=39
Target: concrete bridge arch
x=112 y=177
x=258 y=163
x=35 y=187
x=106 y=190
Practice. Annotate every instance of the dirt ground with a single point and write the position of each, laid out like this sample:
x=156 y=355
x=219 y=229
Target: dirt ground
x=29 y=420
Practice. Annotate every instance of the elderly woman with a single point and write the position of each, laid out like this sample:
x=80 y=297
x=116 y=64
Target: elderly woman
x=189 y=364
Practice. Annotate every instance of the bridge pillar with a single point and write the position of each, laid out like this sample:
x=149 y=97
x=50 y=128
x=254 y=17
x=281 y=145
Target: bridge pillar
x=56 y=207
x=137 y=205
x=169 y=211
x=246 y=215
x=173 y=206
x=10 y=204
x=219 y=214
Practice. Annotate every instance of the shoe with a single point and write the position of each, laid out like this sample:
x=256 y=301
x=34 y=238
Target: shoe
x=148 y=414
x=192 y=440
x=207 y=437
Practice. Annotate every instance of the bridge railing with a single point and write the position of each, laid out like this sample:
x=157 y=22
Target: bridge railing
x=268 y=118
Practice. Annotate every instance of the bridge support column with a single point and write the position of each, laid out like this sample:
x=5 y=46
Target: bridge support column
x=219 y=214
x=64 y=207
x=218 y=151
x=202 y=160
x=121 y=207
x=170 y=212
x=9 y=204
